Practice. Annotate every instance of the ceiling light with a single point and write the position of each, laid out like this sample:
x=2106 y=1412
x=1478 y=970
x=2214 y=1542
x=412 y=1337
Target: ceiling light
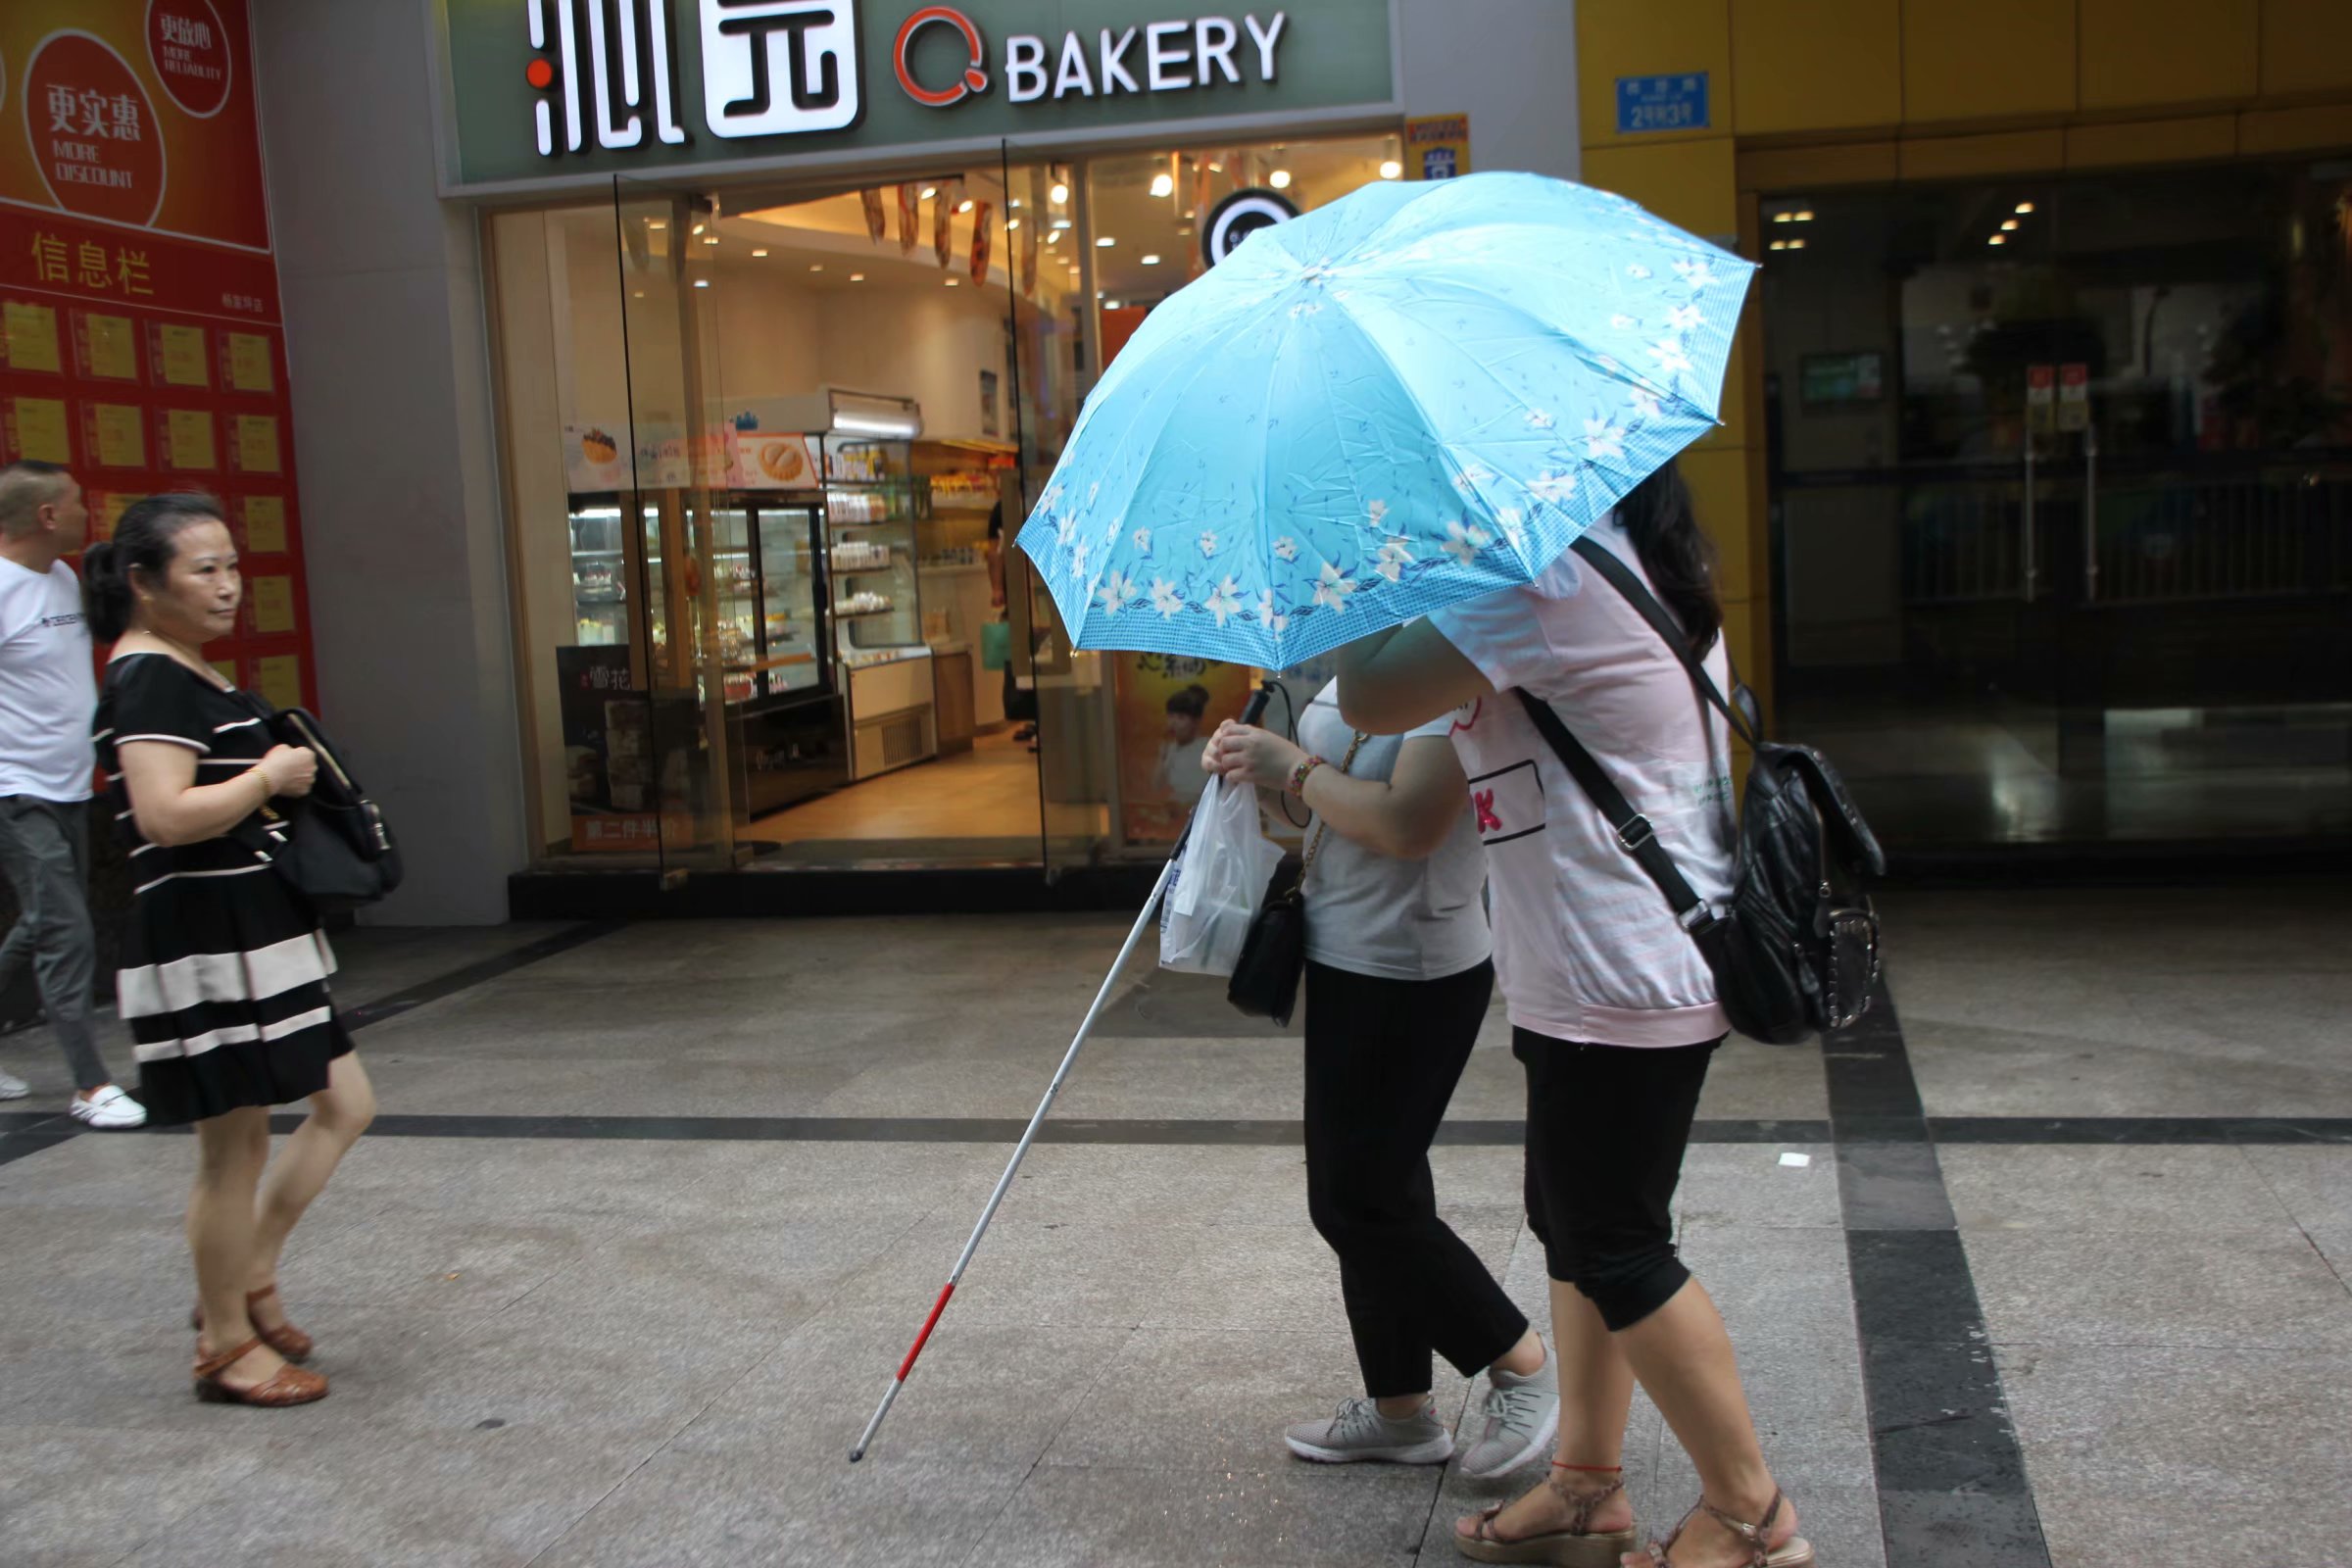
x=697 y=229
x=963 y=207
x=1164 y=184
x=637 y=294
x=856 y=278
x=1217 y=169
x=1151 y=260
x=1011 y=224
x=1390 y=168
x=1784 y=217
x=930 y=191
x=761 y=252
x=1111 y=305
x=955 y=282
x=1186 y=229
x=1999 y=239
x=701 y=282
x=1796 y=244
x=1104 y=243
x=1054 y=237
x=2023 y=208
x=2008 y=225
x=1059 y=193
x=1804 y=215
x=1014 y=204
x=1780 y=244
x=709 y=239
x=1062 y=223
x=1280 y=179
x=657 y=223
x=813 y=266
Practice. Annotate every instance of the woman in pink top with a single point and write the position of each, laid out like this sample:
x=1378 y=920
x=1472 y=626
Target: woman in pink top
x=1613 y=1012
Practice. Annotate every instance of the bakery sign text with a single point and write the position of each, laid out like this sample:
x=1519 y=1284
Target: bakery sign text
x=606 y=73
x=1154 y=57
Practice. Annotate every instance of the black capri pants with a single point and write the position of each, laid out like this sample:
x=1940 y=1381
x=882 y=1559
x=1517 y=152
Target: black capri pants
x=1606 y=1129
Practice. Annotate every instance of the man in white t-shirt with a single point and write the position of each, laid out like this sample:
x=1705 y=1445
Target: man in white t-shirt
x=47 y=694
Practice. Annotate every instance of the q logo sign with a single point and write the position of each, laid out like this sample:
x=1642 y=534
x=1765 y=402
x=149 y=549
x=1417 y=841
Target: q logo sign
x=1240 y=216
x=973 y=79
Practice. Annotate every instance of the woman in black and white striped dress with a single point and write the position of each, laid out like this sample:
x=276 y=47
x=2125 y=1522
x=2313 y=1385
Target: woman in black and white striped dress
x=224 y=969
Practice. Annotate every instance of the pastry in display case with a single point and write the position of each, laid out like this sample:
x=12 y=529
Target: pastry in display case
x=877 y=602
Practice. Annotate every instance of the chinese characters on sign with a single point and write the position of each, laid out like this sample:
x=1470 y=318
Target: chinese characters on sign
x=1673 y=102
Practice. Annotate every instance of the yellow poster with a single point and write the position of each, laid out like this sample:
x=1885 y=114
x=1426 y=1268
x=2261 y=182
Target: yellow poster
x=190 y=432
x=272 y=604
x=266 y=525
x=278 y=676
x=112 y=346
x=1168 y=705
x=32 y=336
x=106 y=510
x=182 y=355
x=256 y=443
x=120 y=433
x=250 y=367
x=41 y=425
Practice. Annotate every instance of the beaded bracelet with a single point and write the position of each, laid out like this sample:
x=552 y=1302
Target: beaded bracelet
x=1306 y=766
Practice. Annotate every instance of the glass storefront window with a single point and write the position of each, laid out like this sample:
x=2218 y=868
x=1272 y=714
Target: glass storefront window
x=768 y=450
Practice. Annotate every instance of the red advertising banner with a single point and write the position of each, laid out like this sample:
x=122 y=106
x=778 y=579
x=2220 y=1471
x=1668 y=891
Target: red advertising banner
x=141 y=343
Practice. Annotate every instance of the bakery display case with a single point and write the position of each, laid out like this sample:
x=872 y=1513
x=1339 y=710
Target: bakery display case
x=783 y=708
x=869 y=491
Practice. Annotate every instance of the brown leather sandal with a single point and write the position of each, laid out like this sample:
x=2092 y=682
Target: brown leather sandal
x=1796 y=1552
x=1578 y=1546
x=285 y=1338
x=291 y=1385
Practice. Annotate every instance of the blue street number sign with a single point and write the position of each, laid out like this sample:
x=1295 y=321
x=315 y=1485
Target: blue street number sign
x=1677 y=102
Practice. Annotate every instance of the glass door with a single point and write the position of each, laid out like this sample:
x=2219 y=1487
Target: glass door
x=699 y=595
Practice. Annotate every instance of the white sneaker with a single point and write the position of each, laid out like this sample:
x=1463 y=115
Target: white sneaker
x=1361 y=1432
x=13 y=1088
x=1522 y=1417
x=110 y=1110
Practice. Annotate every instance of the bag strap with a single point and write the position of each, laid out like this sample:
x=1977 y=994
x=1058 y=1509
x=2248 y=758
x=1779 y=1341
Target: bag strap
x=1738 y=713
x=1632 y=828
x=1314 y=844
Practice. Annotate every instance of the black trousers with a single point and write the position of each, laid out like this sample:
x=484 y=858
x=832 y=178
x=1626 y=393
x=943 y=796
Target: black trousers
x=1382 y=1059
x=1606 y=1130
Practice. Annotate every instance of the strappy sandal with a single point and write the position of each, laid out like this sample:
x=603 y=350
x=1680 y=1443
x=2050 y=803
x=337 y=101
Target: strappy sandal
x=1578 y=1546
x=1796 y=1552
x=291 y=1385
x=285 y=1338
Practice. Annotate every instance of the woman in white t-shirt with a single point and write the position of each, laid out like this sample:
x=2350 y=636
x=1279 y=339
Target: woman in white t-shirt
x=1397 y=982
x=1613 y=1011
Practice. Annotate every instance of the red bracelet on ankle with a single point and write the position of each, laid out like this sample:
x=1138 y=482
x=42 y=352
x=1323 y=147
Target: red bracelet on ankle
x=1595 y=1469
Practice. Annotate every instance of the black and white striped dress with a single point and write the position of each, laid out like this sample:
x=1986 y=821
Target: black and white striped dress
x=224 y=969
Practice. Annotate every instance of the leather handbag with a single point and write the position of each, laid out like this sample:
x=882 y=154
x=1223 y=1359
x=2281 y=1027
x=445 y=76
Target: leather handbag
x=1266 y=979
x=337 y=850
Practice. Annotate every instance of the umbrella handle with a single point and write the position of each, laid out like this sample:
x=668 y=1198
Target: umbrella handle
x=1069 y=1059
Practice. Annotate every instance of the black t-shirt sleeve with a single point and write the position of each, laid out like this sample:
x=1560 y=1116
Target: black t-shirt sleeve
x=150 y=698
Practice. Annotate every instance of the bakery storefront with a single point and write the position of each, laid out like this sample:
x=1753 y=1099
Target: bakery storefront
x=793 y=306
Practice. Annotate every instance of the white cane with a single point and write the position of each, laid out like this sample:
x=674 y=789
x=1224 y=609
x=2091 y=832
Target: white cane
x=1069 y=1059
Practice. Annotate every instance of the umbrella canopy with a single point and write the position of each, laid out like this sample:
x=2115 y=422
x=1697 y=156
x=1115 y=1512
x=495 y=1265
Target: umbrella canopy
x=1416 y=395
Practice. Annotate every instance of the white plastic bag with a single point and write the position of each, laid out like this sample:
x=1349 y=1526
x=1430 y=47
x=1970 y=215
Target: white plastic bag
x=1220 y=881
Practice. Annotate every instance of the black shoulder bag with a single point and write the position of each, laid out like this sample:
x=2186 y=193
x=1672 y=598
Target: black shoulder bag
x=1265 y=978
x=1796 y=950
x=338 y=850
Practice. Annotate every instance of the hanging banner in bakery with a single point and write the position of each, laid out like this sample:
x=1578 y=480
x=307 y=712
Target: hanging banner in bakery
x=140 y=335
x=980 y=242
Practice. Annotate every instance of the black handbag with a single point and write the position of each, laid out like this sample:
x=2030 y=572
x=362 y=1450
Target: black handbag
x=1265 y=978
x=337 y=849
x=1796 y=950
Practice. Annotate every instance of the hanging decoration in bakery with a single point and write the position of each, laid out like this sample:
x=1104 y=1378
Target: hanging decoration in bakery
x=981 y=242
x=909 y=221
x=877 y=222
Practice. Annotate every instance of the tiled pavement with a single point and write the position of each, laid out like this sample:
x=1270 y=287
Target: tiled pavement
x=570 y=1323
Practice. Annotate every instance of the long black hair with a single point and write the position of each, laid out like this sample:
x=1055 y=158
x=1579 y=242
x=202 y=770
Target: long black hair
x=1679 y=559
x=145 y=541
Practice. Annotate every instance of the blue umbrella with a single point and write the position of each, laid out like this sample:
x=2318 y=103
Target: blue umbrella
x=1419 y=394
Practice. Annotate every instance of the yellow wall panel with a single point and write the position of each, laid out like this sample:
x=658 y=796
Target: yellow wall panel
x=1685 y=183
x=2009 y=152
x=2306 y=46
x=1977 y=59
x=1718 y=480
x=2262 y=131
x=1794 y=169
x=2138 y=52
x=1817 y=64
x=2151 y=141
x=1646 y=38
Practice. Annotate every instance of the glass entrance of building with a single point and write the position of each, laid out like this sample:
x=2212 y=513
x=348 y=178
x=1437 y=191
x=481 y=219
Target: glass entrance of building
x=2061 y=476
